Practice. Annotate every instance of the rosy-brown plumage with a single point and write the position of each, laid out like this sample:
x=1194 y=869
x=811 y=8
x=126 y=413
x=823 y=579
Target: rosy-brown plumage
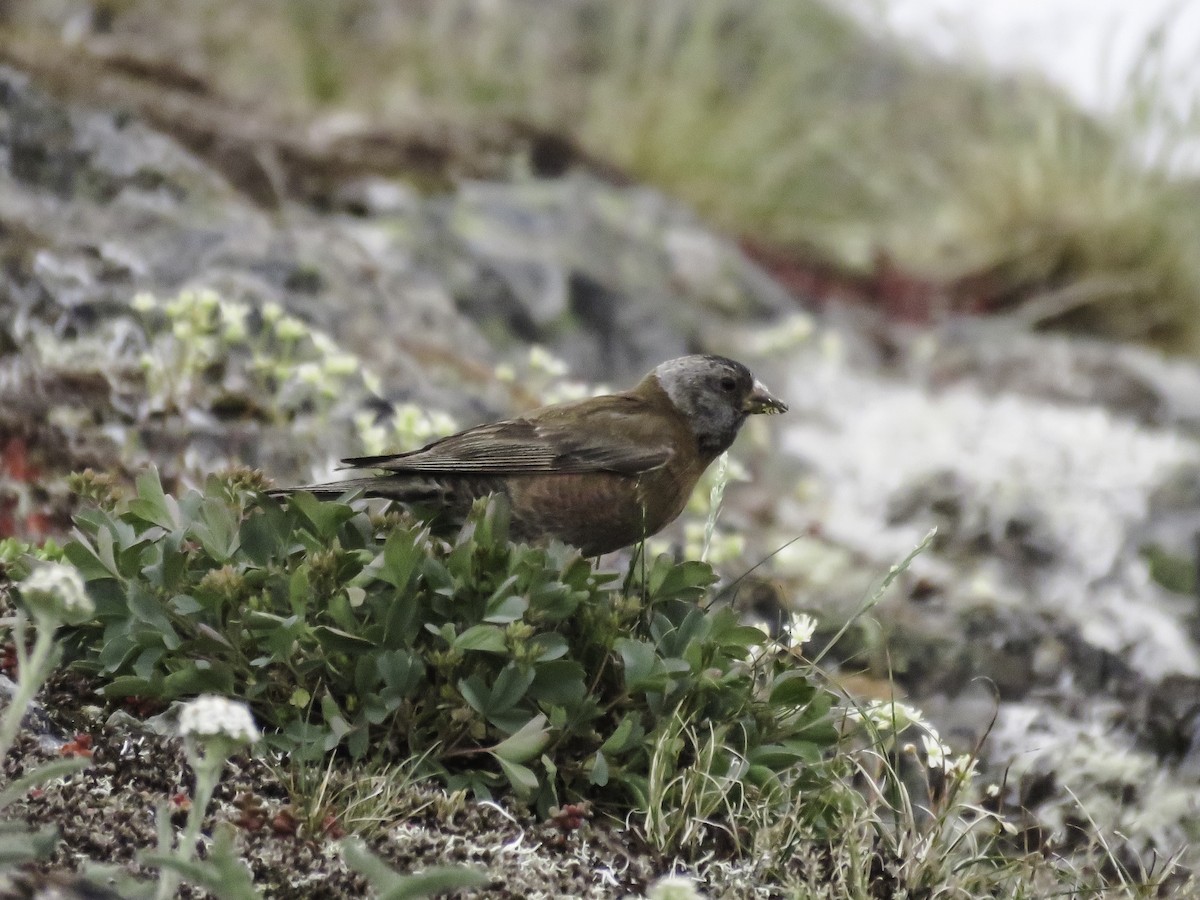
x=600 y=473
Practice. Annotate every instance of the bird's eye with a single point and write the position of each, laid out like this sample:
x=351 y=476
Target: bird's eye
x=728 y=384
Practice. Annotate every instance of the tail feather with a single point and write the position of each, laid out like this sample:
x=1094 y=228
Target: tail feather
x=405 y=490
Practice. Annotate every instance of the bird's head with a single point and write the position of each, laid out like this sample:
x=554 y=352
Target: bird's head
x=715 y=395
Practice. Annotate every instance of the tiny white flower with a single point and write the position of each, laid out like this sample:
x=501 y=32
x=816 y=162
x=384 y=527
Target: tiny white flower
x=143 y=302
x=323 y=343
x=801 y=629
x=757 y=653
x=935 y=753
x=233 y=320
x=372 y=383
x=888 y=716
x=207 y=299
x=505 y=372
x=674 y=887
x=963 y=766
x=309 y=373
x=179 y=304
x=542 y=360
x=56 y=591
x=212 y=716
x=272 y=312
x=182 y=329
x=441 y=423
x=289 y=328
x=341 y=364
x=566 y=390
x=371 y=435
x=405 y=418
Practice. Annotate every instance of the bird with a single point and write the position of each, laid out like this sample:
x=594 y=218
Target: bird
x=601 y=473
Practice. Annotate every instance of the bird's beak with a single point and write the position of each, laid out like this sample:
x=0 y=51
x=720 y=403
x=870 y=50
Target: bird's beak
x=760 y=400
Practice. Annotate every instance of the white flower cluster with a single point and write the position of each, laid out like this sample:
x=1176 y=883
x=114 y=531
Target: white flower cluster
x=887 y=716
x=937 y=756
x=890 y=718
x=293 y=364
x=544 y=362
x=674 y=887
x=56 y=591
x=412 y=427
x=544 y=375
x=212 y=716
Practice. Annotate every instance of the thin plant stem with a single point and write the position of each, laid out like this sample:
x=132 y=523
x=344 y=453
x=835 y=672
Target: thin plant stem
x=32 y=670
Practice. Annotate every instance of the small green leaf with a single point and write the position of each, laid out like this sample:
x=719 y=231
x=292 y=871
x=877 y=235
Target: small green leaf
x=106 y=550
x=785 y=754
x=522 y=778
x=641 y=662
x=336 y=640
x=213 y=678
x=326 y=516
x=400 y=670
x=792 y=688
x=525 y=743
x=132 y=686
x=510 y=686
x=185 y=605
x=148 y=609
x=510 y=609
x=85 y=556
x=625 y=735
x=217 y=530
x=151 y=504
x=475 y=692
x=262 y=535
x=558 y=681
x=550 y=646
x=487 y=638
x=599 y=770
x=299 y=591
x=401 y=553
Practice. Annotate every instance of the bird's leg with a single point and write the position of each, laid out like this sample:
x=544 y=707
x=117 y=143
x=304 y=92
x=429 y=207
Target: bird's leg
x=638 y=552
x=642 y=548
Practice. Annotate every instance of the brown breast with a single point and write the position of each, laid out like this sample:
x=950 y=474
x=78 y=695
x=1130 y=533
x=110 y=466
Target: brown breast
x=599 y=511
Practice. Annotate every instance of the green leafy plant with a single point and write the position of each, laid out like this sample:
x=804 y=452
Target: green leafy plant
x=52 y=594
x=502 y=667
x=391 y=885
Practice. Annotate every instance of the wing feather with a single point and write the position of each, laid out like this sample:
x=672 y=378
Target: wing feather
x=581 y=437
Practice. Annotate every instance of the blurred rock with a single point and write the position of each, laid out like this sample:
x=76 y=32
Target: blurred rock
x=1057 y=596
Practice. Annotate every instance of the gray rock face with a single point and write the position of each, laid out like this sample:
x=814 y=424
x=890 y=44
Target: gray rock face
x=1061 y=478
x=429 y=291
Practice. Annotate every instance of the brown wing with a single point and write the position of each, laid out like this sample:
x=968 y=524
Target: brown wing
x=603 y=434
